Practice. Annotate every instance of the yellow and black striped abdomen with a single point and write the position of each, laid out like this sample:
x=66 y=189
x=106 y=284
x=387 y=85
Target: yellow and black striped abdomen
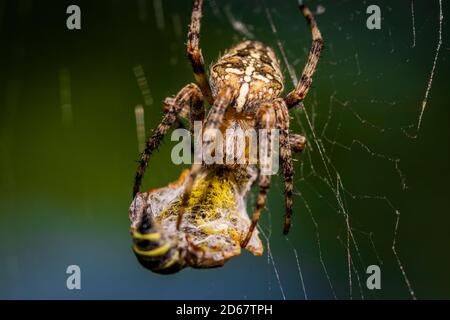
x=156 y=253
x=154 y=250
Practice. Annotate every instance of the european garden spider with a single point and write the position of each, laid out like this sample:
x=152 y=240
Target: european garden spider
x=243 y=88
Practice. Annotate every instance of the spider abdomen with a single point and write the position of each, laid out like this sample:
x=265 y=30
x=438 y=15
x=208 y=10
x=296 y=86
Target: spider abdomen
x=252 y=70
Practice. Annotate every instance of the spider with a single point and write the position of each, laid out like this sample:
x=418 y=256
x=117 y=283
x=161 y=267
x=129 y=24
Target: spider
x=244 y=87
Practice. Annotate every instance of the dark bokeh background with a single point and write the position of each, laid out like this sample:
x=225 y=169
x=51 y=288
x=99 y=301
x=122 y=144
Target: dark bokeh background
x=66 y=177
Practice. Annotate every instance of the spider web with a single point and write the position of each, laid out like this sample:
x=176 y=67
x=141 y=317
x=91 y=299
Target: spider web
x=318 y=169
x=343 y=125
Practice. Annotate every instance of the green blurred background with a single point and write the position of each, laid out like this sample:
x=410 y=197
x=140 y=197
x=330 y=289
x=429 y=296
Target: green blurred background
x=68 y=148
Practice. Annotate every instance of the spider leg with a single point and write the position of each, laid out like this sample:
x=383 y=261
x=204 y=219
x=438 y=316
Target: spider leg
x=297 y=142
x=213 y=121
x=299 y=93
x=286 y=158
x=194 y=52
x=188 y=112
x=265 y=119
x=190 y=96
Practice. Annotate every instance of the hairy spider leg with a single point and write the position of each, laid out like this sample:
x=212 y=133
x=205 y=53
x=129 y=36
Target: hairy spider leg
x=190 y=96
x=282 y=115
x=194 y=52
x=299 y=93
x=297 y=142
x=265 y=119
x=213 y=120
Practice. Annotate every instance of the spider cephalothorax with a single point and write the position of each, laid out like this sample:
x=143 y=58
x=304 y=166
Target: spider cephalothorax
x=243 y=90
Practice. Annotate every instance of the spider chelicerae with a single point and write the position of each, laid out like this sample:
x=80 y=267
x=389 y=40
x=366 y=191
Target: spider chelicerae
x=243 y=88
